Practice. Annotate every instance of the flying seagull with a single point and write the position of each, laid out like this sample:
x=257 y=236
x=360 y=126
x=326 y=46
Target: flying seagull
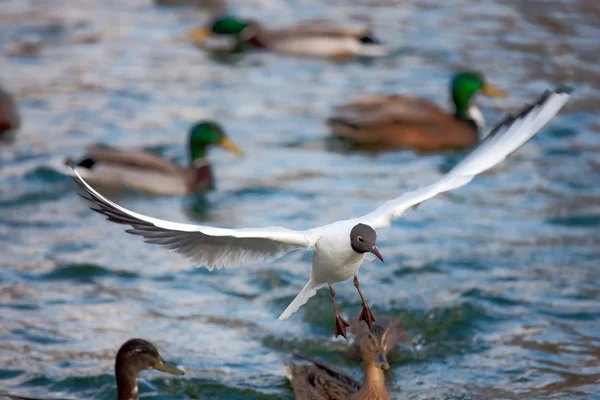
x=339 y=247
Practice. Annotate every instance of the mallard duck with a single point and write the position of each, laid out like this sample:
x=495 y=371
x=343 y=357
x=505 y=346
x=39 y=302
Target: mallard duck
x=147 y=172
x=318 y=381
x=412 y=122
x=10 y=121
x=316 y=38
x=134 y=356
x=389 y=324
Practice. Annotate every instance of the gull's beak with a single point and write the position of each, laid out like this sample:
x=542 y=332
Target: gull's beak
x=162 y=365
x=227 y=144
x=199 y=35
x=375 y=251
x=491 y=91
x=380 y=360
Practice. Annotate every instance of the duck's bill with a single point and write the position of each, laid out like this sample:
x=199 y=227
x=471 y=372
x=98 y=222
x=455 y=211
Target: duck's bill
x=491 y=91
x=380 y=360
x=163 y=366
x=227 y=144
x=199 y=35
x=376 y=252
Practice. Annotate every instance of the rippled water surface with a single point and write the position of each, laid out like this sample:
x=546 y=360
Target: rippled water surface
x=497 y=283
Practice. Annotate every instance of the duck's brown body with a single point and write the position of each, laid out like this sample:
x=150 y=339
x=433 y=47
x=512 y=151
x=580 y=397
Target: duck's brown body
x=318 y=381
x=401 y=122
x=10 y=121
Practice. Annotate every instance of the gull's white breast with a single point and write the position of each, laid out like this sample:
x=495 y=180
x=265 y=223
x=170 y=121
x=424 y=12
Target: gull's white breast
x=334 y=260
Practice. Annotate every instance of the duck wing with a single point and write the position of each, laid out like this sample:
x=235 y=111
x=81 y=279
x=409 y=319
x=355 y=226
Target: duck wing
x=323 y=27
x=137 y=158
x=378 y=109
x=321 y=381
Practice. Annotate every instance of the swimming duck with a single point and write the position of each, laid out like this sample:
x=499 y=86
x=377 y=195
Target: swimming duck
x=417 y=123
x=147 y=172
x=316 y=38
x=389 y=324
x=134 y=356
x=318 y=381
x=10 y=121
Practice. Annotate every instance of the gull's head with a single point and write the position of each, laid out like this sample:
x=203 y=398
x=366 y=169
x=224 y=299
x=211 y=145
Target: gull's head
x=363 y=239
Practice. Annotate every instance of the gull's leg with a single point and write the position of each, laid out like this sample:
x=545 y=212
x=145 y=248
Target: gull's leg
x=366 y=314
x=340 y=323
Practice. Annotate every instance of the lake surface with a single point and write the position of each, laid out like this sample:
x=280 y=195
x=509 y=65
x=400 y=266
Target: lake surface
x=498 y=283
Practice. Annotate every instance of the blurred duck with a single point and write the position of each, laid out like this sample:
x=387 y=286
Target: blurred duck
x=134 y=356
x=411 y=122
x=10 y=121
x=315 y=38
x=147 y=172
x=318 y=381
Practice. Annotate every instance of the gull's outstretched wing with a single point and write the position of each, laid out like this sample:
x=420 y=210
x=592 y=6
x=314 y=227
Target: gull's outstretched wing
x=203 y=245
x=505 y=138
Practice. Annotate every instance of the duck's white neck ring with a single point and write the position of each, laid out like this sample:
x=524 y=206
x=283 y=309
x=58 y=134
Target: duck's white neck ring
x=475 y=115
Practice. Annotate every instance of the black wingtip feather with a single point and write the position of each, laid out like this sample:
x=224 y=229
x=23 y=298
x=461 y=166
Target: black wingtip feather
x=101 y=207
x=509 y=118
x=83 y=196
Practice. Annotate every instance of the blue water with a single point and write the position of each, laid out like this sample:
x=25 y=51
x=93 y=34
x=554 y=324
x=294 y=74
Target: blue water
x=497 y=283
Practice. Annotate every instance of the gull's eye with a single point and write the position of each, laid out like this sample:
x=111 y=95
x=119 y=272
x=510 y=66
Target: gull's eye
x=360 y=239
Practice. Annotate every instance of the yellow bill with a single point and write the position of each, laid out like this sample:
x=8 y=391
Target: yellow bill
x=491 y=91
x=199 y=35
x=228 y=144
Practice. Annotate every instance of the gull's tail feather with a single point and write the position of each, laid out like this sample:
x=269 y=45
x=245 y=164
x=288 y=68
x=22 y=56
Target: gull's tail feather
x=309 y=291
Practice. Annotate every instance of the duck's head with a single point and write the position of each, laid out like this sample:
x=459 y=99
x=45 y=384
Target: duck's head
x=136 y=355
x=227 y=26
x=363 y=239
x=375 y=344
x=205 y=134
x=464 y=87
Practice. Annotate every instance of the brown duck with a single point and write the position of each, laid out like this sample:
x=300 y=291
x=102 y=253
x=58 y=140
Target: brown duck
x=318 y=381
x=395 y=121
x=147 y=172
